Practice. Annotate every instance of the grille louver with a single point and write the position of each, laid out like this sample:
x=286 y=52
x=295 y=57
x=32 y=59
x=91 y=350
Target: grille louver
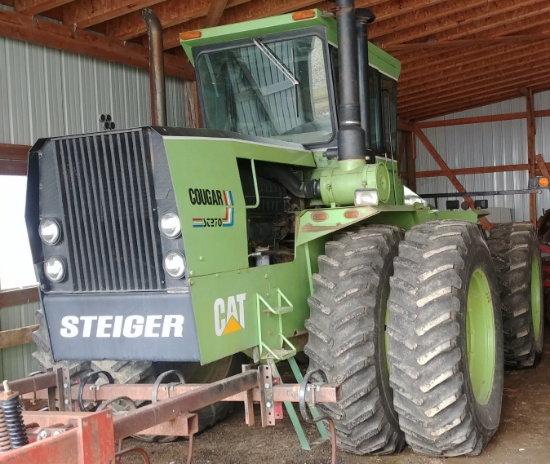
x=109 y=212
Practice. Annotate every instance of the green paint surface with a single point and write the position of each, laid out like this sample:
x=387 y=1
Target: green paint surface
x=480 y=337
x=284 y=23
x=536 y=303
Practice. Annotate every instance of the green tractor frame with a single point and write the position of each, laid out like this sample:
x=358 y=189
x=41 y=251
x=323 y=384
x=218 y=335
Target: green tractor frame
x=282 y=226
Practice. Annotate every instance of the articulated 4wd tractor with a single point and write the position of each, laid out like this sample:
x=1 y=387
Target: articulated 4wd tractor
x=283 y=226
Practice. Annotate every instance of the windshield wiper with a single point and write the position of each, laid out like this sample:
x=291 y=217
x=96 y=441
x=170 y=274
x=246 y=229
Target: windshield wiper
x=278 y=63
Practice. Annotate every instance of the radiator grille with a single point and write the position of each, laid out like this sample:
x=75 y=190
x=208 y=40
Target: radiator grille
x=110 y=217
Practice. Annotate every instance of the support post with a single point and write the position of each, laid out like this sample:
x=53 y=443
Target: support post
x=445 y=168
x=531 y=155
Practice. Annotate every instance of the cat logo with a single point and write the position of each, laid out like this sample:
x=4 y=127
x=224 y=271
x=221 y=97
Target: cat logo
x=229 y=315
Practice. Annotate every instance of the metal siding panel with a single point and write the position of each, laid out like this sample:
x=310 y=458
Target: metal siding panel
x=71 y=95
x=4 y=102
x=102 y=83
x=175 y=102
x=485 y=144
x=17 y=361
x=54 y=91
x=18 y=97
x=117 y=90
x=88 y=94
x=46 y=92
x=37 y=89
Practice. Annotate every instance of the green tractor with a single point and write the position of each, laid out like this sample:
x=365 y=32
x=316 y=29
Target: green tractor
x=283 y=226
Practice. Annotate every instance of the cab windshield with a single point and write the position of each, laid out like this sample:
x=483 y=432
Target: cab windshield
x=276 y=89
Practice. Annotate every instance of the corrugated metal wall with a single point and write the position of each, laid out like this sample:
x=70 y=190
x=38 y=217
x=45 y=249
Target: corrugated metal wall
x=16 y=362
x=488 y=144
x=46 y=92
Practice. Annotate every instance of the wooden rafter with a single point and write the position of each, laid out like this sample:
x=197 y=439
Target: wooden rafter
x=170 y=12
x=86 y=13
x=482 y=79
x=473 y=17
x=13 y=159
x=494 y=19
x=405 y=27
x=470 y=57
x=531 y=154
x=21 y=27
x=33 y=7
x=18 y=296
x=215 y=13
x=473 y=99
x=473 y=171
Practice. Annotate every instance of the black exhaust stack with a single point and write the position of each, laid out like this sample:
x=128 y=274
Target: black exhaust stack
x=364 y=17
x=351 y=136
x=156 y=67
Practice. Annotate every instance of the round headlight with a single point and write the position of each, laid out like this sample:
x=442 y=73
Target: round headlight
x=54 y=268
x=170 y=225
x=50 y=231
x=174 y=264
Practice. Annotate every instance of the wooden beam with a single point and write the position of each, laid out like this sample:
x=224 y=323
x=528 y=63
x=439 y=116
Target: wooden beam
x=17 y=337
x=472 y=120
x=475 y=100
x=531 y=154
x=445 y=168
x=13 y=159
x=444 y=104
x=170 y=13
x=21 y=27
x=447 y=61
x=18 y=296
x=453 y=20
x=482 y=119
x=465 y=43
x=425 y=13
x=34 y=7
x=494 y=19
x=476 y=170
x=466 y=75
x=215 y=13
x=404 y=126
x=86 y=13
x=401 y=152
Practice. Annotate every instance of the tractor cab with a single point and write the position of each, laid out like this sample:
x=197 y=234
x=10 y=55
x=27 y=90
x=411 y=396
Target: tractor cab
x=278 y=78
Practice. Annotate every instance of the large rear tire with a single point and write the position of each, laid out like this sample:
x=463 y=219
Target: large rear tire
x=347 y=337
x=516 y=256
x=445 y=340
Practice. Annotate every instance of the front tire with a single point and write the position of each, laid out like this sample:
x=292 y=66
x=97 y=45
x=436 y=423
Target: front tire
x=347 y=337
x=446 y=345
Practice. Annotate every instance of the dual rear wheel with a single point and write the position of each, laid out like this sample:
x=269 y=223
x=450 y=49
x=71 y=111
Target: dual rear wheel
x=411 y=327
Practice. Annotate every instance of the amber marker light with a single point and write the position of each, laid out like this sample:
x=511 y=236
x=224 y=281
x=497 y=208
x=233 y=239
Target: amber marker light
x=190 y=35
x=351 y=214
x=543 y=182
x=307 y=14
x=319 y=216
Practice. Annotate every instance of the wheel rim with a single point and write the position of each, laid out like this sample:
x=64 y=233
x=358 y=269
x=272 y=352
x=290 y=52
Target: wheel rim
x=536 y=304
x=480 y=337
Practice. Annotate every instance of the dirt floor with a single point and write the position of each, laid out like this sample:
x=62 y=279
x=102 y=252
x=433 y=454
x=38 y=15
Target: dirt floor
x=523 y=436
